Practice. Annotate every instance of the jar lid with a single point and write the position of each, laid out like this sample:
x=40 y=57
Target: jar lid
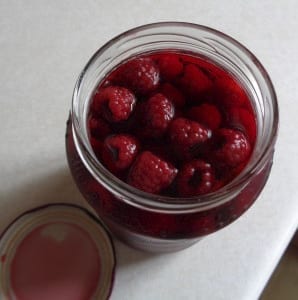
x=59 y=251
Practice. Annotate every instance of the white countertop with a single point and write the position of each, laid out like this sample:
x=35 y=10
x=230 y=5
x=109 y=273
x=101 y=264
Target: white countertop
x=43 y=47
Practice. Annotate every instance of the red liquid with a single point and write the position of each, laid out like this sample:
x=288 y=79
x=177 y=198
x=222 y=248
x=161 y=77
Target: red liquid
x=55 y=261
x=216 y=88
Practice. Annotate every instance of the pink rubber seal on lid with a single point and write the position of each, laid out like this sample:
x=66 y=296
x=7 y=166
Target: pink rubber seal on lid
x=56 y=252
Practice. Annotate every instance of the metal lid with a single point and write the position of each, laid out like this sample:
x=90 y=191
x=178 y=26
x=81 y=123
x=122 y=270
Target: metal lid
x=58 y=251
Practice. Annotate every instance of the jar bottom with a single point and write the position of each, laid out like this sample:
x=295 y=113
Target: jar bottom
x=148 y=243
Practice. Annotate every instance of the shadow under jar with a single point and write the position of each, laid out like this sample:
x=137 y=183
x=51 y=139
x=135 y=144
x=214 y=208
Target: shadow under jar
x=161 y=223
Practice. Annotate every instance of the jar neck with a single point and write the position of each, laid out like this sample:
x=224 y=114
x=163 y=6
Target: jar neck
x=207 y=43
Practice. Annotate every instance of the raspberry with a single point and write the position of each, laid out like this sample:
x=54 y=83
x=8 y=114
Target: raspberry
x=98 y=127
x=187 y=136
x=114 y=103
x=211 y=71
x=229 y=93
x=173 y=94
x=159 y=112
x=119 y=151
x=195 y=178
x=194 y=82
x=150 y=173
x=231 y=147
x=141 y=75
x=206 y=114
x=170 y=66
x=243 y=120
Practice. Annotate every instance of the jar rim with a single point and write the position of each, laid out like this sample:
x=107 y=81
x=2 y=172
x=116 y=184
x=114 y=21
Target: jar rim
x=157 y=202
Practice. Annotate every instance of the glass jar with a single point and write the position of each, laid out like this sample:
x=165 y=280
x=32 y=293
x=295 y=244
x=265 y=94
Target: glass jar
x=158 y=223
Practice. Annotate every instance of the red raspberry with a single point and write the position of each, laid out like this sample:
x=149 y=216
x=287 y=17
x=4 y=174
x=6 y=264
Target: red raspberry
x=243 y=120
x=231 y=147
x=187 y=136
x=173 y=94
x=119 y=151
x=98 y=127
x=114 y=103
x=194 y=82
x=206 y=114
x=158 y=114
x=195 y=178
x=170 y=66
x=229 y=93
x=211 y=71
x=150 y=173
x=140 y=74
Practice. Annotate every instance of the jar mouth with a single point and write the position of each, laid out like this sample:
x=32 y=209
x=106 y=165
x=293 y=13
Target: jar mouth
x=190 y=34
